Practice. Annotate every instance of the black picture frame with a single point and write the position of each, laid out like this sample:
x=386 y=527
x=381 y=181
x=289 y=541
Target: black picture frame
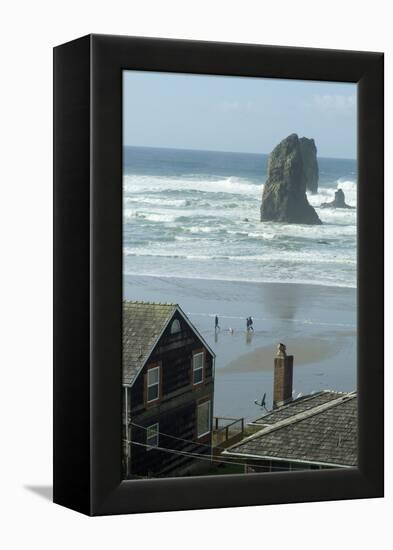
x=88 y=273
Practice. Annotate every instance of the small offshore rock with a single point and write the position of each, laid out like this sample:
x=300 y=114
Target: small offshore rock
x=338 y=202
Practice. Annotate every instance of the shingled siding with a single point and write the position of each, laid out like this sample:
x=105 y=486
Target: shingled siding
x=175 y=411
x=178 y=422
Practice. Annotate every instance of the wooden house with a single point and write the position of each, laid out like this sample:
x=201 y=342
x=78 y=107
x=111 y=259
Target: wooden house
x=168 y=381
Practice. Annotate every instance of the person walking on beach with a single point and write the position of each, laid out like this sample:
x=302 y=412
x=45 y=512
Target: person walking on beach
x=250 y=323
x=216 y=325
x=248 y=331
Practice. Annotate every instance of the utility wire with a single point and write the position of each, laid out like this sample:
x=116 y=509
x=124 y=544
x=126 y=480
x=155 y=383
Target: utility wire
x=180 y=438
x=196 y=456
x=186 y=453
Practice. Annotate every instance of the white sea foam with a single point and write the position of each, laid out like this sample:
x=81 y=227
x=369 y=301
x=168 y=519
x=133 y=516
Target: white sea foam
x=311 y=257
x=208 y=227
x=163 y=217
x=141 y=183
x=136 y=201
x=275 y=277
x=202 y=229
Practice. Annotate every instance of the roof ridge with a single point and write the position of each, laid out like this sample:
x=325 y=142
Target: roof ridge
x=146 y=302
x=298 y=417
x=304 y=399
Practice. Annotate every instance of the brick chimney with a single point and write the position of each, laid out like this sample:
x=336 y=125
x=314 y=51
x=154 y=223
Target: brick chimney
x=283 y=375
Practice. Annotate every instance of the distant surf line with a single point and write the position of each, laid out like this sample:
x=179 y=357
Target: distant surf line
x=244 y=281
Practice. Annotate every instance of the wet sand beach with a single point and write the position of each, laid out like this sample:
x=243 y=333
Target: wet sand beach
x=317 y=323
x=307 y=351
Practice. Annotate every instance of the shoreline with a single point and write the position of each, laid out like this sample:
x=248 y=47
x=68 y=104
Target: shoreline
x=240 y=281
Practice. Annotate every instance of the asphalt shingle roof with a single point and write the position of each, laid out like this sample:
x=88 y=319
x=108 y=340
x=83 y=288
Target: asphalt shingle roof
x=299 y=405
x=143 y=322
x=327 y=434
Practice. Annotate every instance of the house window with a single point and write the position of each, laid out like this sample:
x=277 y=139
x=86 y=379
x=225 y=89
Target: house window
x=175 y=326
x=152 y=436
x=153 y=384
x=203 y=418
x=197 y=368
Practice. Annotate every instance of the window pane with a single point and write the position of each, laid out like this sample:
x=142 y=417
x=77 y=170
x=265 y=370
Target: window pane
x=198 y=361
x=152 y=392
x=153 y=375
x=198 y=375
x=152 y=435
x=151 y=431
x=203 y=418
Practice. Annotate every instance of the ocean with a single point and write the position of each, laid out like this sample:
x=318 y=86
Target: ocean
x=195 y=214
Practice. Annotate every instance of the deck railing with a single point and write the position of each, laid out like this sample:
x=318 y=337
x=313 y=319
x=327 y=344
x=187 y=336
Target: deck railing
x=227 y=431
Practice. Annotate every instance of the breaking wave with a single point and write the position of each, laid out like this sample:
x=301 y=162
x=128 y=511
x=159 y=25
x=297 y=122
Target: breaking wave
x=212 y=185
x=207 y=226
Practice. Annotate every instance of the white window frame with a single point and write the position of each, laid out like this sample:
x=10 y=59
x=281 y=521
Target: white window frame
x=155 y=384
x=199 y=368
x=209 y=417
x=155 y=426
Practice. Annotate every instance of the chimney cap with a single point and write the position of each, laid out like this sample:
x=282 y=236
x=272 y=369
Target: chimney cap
x=281 y=350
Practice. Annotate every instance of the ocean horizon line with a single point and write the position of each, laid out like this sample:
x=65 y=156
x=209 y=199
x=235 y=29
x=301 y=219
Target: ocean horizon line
x=220 y=151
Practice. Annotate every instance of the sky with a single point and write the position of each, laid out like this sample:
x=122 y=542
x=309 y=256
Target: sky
x=226 y=113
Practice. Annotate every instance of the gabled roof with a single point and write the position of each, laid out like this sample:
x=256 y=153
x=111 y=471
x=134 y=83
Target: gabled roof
x=319 y=429
x=143 y=325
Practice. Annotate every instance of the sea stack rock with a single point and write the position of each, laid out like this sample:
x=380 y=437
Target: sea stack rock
x=284 y=196
x=310 y=163
x=338 y=202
